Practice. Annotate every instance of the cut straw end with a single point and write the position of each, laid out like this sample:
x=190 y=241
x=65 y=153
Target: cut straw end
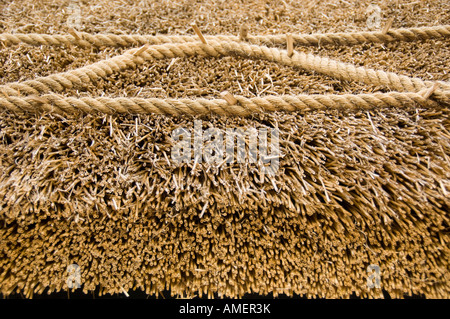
x=388 y=25
x=290 y=45
x=124 y=292
x=228 y=97
x=74 y=34
x=243 y=32
x=199 y=33
x=431 y=90
x=141 y=50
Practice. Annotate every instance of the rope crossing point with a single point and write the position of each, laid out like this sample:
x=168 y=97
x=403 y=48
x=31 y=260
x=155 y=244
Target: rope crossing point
x=411 y=90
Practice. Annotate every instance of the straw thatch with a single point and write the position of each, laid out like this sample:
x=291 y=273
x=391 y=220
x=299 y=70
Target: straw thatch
x=352 y=190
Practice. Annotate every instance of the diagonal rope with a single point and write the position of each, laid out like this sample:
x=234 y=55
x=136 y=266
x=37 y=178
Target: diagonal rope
x=130 y=59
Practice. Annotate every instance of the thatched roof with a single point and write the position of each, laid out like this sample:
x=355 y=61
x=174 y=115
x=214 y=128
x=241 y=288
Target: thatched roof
x=353 y=189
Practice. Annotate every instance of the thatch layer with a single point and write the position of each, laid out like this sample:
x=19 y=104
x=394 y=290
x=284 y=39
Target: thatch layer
x=103 y=192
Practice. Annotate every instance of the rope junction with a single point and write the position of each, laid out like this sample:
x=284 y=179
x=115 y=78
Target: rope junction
x=409 y=90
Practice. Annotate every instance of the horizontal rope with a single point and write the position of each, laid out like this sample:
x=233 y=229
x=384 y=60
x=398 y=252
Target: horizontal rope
x=342 y=38
x=83 y=76
x=244 y=107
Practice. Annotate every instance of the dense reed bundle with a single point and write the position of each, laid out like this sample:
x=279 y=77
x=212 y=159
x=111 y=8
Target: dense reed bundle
x=352 y=190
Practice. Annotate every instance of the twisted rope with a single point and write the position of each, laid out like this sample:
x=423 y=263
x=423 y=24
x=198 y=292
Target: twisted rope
x=113 y=40
x=80 y=77
x=219 y=46
x=244 y=107
x=134 y=57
